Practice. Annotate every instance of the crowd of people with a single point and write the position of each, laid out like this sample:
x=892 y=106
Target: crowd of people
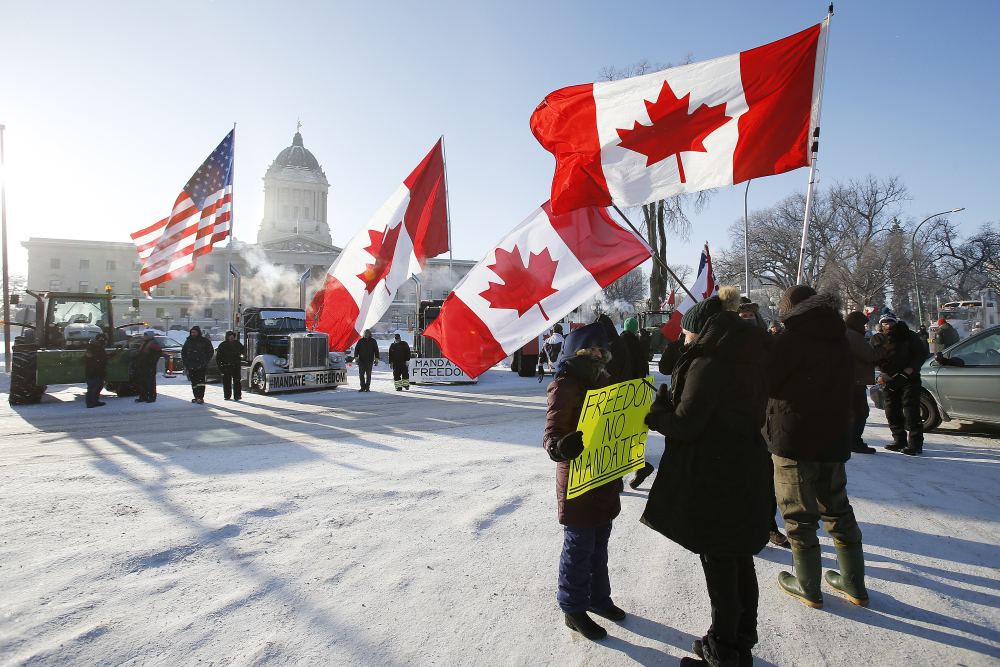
x=757 y=419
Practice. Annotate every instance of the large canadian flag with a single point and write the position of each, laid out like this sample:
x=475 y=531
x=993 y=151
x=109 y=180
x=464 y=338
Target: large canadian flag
x=534 y=277
x=409 y=228
x=685 y=129
x=705 y=286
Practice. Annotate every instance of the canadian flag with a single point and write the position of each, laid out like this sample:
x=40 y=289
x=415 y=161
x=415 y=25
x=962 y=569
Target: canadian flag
x=533 y=278
x=669 y=302
x=685 y=129
x=705 y=286
x=409 y=228
x=870 y=309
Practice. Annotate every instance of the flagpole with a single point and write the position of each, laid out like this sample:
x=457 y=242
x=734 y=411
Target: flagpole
x=814 y=150
x=447 y=208
x=746 y=238
x=232 y=207
x=655 y=256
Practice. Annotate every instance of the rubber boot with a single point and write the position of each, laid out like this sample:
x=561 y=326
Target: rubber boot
x=915 y=444
x=851 y=579
x=804 y=584
x=898 y=442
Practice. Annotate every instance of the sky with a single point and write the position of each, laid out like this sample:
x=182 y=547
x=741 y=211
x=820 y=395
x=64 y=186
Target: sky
x=109 y=107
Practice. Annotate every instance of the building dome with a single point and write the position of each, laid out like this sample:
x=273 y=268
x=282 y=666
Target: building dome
x=296 y=156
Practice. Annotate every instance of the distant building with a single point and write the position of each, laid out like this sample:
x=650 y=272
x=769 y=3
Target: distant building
x=294 y=236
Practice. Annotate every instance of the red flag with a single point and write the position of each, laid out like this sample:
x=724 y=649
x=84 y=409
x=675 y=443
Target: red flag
x=684 y=129
x=669 y=302
x=704 y=286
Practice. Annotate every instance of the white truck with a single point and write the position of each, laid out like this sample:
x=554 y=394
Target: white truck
x=969 y=317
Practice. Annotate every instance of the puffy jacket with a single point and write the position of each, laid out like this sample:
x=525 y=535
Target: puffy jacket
x=906 y=350
x=945 y=337
x=229 y=354
x=366 y=351
x=197 y=352
x=639 y=367
x=148 y=354
x=399 y=353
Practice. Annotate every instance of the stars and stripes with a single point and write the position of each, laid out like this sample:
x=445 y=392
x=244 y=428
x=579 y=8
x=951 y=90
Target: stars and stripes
x=200 y=217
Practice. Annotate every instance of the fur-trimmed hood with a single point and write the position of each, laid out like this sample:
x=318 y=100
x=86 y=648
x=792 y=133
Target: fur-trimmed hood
x=818 y=316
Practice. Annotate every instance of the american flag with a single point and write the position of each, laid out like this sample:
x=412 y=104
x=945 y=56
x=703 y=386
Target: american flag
x=200 y=217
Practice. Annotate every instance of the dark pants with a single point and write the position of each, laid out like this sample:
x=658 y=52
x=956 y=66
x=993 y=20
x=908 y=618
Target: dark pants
x=365 y=374
x=401 y=376
x=583 y=570
x=147 y=384
x=231 y=379
x=859 y=405
x=809 y=491
x=902 y=410
x=732 y=588
x=94 y=386
x=774 y=503
x=197 y=378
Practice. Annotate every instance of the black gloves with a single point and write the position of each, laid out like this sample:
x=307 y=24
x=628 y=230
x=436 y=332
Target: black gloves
x=567 y=447
x=660 y=406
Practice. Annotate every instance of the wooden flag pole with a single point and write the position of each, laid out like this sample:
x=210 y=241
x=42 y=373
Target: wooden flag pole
x=655 y=256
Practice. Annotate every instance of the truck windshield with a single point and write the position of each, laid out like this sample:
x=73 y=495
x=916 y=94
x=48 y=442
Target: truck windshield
x=284 y=323
x=955 y=314
x=657 y=320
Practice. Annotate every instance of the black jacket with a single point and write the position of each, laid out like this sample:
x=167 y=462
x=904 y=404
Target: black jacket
x=639 y=367
x=619 y=369
x=399 y=353
x=811 y=373
x=906 y=350
x=366 y=351
x=197 y=352
x=671 y=355
x=714 y=489
x=945 y=337
x=229 y=355
x=97 y=361
x=148 y=354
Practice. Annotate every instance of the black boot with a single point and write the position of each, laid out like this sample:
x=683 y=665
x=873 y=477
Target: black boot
x=863 y=448
x=612 y=613
x=915 y=444
x=585 y=625
x=712 y=652
x=898 y=442
x=640 y=475
x=744 y=646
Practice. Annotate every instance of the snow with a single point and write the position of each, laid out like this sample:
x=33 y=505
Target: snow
x=419 y=528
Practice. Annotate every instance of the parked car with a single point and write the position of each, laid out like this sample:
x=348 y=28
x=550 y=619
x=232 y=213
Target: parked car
x=963 y=382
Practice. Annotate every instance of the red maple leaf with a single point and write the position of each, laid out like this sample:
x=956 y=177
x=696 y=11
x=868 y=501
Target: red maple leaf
x=523 y=286
x=383 y=248
x=673 y=129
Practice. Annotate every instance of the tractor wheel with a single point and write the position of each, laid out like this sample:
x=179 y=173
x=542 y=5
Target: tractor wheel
x=257 y=379
x=526 y=368
x=23 y=372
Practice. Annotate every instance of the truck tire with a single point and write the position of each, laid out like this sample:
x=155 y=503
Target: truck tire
x=257 y=380
x=515 y=360
x=23 y=371
x=527 y=366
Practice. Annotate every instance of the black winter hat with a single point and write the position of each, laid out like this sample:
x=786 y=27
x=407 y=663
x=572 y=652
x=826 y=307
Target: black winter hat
x=698 y=315
x=856 y=320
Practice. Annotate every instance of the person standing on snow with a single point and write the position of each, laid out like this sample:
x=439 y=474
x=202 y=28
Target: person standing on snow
x=865 y=357
x=637 y=358
x=945 y=337
x=96 y=368
x=366 y=355
x=399 y=359
x=229 y=358
x=900 y=382
x=811 y=375
x=196 y=353
x=146 y=356
x=584 y=583
x=619 y=368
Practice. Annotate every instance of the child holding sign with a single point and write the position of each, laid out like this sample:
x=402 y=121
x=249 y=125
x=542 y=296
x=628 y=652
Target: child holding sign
x=584 y=584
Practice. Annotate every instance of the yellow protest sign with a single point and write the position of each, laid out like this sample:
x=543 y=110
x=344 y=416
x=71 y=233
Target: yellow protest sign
x=614 y=434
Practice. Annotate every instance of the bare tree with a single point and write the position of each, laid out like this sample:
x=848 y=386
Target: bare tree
x=627 y=294
x=962 y=266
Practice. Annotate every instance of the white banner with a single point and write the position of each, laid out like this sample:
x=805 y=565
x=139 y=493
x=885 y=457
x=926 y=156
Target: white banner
x=437 y=370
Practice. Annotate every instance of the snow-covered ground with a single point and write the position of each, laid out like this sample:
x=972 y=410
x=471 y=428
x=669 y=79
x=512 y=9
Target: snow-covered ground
x=418 y=528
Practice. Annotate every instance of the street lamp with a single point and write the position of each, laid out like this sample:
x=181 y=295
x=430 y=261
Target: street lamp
x=913 y=258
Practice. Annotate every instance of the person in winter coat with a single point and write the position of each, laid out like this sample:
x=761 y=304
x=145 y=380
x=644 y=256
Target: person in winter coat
x=645 y=340
x=229 y=359
x=775 y=328
x=811 y=375
x=945 y=337
x=584 y=584
x=196 y=353
x=96 y=368
x=399 y=359
x=900 y=381
x=619 y=367
x=637 y=358
x=146 y=356
x=749 y=310
x=713 y=490
x=366 y=355
x=553 y=345
x=865 y=357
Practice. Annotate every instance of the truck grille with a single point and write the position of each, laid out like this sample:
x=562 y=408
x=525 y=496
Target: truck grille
x=308 y=351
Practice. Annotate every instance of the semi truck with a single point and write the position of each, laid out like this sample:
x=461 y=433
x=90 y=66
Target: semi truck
x=969 y=316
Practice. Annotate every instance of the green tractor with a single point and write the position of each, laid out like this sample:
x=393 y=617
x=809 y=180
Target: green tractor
x=652 y=321
x=52 y=350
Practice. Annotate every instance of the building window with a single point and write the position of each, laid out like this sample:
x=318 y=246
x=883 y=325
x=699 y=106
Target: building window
x=185 y=289
x=159 y=313
x=137 y=266
x=53 y=284
x=305 y=213
x=111 y=265
x=136 y=289
x=208 y=313
x=184 y=312
x=54 y=263
x=284 y=211
x=84 y=264
x=210 y=268
x=84 y=285
x=161 y=290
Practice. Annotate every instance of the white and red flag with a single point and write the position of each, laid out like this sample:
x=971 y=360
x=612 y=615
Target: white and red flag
x=200 y=218
x=685 y=129
x=411 y=227
x=870 y=309
x=546 y=267
x=705 y=286
x=669 y=303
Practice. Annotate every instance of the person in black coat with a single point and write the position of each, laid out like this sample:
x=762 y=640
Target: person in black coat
x=366 y=355
x=713 y=491
x=620 y=365
x=229 y=359
x=809 y=431
x=196 y=353
x=900 y=382
x=145 y=360
x=96 y=369
x=399 y=359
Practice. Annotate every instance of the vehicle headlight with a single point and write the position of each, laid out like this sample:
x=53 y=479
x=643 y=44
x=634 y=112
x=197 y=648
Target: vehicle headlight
x=335 y=358
x=281 y=362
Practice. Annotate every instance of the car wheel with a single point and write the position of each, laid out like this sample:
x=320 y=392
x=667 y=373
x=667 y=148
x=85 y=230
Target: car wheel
x=929 y=413
x=257 y=379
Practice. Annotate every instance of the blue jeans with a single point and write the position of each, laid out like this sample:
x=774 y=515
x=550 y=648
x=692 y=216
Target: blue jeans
x=583 y=570
x=94 y=386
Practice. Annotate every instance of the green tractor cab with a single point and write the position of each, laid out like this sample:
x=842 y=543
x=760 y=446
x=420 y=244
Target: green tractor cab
x=652 y=321
x=53 y=350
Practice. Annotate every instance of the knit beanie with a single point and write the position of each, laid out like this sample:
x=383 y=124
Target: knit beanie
x=698 y=315
x=888 y=317
x=793 y=296
x=856 y=320
x=941 y=322
x=632 y=324
x=148 y=334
